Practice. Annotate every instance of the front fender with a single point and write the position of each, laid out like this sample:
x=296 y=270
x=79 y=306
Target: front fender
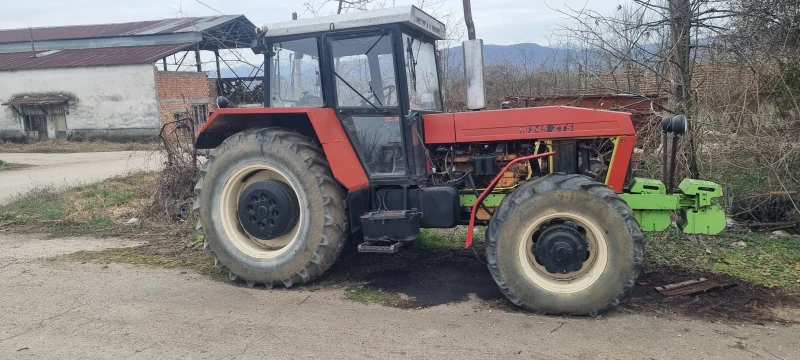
x=320 y=124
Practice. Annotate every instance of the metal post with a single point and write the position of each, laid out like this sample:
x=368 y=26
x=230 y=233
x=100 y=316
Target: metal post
x=664 y=161
x=673 y=164
x=219 y=73
x=164 y=62
x=33 y=48
x=197 y=58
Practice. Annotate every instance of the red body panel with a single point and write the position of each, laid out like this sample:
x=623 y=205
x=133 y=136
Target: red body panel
x=622 y=156
x=542 y=123
x=553 y=122
x=439 y=128
x=340 y=153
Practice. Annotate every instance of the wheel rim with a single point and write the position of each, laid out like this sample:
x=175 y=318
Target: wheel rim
x=572 y=281
x=231 y=194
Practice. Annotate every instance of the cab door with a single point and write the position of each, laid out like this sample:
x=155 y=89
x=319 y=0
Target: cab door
x=365 y=96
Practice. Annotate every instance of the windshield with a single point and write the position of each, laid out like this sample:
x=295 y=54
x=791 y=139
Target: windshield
x=423 y=76
x=364 y=69
x=295 y=79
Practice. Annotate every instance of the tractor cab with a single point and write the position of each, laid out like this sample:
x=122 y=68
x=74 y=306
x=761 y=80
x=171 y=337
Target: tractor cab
x=379 y=71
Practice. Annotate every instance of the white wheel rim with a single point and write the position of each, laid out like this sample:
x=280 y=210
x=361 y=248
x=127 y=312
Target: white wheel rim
x=571 y=282
x=229 y=199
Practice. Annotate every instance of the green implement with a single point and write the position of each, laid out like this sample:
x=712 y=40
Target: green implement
x=697 y=213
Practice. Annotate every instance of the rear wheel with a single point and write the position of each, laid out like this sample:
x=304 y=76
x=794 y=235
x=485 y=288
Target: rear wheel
x=270 y=210
x=564 y=244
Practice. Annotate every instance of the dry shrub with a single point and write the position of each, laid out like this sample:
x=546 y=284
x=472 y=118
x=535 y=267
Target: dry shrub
x=752 y=148
x=173 y=192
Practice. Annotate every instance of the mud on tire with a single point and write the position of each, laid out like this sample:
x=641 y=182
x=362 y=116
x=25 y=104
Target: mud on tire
x=319 y=235
x=618 y=248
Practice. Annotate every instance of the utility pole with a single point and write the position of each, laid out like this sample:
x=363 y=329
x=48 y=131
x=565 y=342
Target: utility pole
x=473 y=64
x=468 y=20
x=680 y=26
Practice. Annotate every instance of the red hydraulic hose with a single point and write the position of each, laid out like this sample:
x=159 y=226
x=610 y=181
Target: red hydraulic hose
x=489 y=189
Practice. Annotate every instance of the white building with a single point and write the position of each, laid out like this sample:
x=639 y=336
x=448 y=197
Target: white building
x=108 y=81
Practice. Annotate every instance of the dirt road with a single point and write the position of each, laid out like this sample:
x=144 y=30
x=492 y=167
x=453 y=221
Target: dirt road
x=59 y=309
x=69 y=169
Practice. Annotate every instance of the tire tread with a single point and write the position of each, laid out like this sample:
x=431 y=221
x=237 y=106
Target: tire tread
x=334 y=200
x=567 y=182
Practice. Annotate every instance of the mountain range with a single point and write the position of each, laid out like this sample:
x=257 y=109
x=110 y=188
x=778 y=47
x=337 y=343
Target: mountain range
x=535 y=53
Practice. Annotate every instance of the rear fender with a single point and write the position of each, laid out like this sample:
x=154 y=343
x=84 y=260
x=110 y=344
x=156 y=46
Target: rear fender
x=321 y=125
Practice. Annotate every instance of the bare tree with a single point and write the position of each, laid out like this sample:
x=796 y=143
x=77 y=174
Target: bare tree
x=656 y=39
x=323 y=7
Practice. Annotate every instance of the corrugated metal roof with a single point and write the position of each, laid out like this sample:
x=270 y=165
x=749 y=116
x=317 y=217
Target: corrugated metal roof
x=88 y=57
x=167 y=26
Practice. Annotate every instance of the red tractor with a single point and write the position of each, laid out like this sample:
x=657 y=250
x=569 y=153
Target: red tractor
x=352 y=144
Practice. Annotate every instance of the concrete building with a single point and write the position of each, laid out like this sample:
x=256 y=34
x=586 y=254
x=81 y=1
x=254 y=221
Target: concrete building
x=110 y=81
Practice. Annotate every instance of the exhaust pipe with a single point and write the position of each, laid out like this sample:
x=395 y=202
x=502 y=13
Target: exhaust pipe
x=473 y=63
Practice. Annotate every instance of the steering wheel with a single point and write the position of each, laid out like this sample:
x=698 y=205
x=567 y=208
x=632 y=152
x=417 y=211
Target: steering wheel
x=391 y=89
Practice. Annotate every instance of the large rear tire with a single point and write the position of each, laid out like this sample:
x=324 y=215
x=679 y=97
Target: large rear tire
x=297 y=175
x=564 y=244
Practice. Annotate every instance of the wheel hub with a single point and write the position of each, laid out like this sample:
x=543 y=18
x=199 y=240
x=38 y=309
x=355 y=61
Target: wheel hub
x=561 y=248
x=268 y=209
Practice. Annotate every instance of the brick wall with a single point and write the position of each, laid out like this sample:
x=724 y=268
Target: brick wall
x=711 y=79
x=175 y=86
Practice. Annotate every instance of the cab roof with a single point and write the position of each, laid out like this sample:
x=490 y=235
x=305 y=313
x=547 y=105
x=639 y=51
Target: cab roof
x=408 y=15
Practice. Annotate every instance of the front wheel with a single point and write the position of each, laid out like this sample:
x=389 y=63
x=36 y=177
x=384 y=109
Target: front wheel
x=270 y=210
x=564 y=244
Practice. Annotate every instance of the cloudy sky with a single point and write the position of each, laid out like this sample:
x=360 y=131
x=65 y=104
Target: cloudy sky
x=497 y=21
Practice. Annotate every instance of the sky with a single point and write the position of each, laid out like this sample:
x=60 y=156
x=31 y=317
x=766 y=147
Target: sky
x=500 y=22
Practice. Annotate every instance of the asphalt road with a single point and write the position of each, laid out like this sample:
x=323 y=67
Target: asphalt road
x=56 y=309
x=69 y=169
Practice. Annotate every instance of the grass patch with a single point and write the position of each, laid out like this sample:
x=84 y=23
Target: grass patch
x=63 y=146
x=765 y=261
x=446 y=239
x=370 y=295
x=200 y=263
x=8 y=166
x=101 y=222
x=52 y=211
x=39 y=209
x=101 y=208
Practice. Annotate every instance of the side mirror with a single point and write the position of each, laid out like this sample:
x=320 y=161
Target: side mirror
x=258 y=46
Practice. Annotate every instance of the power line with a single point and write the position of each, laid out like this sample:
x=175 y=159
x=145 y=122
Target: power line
x=206 y=5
